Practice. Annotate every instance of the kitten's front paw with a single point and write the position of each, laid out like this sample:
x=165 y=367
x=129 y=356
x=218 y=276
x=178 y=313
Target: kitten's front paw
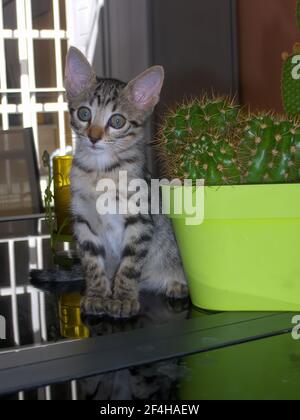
x=176 y=290
x=95 y=305
x=122 y=309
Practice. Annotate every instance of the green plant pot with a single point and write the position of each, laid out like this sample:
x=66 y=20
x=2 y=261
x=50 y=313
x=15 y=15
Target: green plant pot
x=245 y=256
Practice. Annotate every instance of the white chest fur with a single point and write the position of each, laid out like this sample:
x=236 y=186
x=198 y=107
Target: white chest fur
x=109 y=228
x=112 y=228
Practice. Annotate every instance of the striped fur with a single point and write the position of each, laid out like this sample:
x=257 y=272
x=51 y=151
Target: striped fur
x=120 y=254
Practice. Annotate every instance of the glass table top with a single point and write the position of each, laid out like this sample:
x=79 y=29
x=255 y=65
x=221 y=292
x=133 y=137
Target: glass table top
x=50 y=312
x=171 y=351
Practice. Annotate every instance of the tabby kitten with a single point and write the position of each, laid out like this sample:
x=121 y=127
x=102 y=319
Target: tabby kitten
x=121 y=254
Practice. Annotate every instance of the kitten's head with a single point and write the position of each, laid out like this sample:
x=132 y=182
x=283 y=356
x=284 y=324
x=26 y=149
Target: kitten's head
x=107 y=114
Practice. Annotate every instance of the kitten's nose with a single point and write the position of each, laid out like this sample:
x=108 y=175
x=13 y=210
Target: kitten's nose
x=95 y=134
x=93 y=140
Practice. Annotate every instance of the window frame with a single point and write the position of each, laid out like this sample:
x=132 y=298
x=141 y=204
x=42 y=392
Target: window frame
x=25 y=36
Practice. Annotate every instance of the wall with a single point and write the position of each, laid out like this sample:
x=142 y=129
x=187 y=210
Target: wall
x=127 y=41
x=266 y=29
x=195 y=42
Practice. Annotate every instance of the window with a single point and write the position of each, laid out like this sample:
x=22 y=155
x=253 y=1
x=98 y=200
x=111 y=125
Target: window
x=33 y=47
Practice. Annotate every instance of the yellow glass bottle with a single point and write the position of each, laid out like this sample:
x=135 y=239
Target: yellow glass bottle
x=62 y=192
x=71 y=325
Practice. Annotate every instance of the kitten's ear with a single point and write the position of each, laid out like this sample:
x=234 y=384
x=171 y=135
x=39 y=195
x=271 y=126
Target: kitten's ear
x=144 y=91
x=79 y=75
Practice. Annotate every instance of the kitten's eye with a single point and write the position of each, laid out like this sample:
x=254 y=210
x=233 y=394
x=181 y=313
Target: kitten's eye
x=84 y=114
x=117 y=122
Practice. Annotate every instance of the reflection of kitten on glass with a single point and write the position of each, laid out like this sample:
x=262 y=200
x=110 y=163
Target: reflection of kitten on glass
x=121 y=254
x=157 y=381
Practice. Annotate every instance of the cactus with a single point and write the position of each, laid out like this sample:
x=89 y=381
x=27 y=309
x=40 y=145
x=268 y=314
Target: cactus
x=225 y=146
x=269 y=149
x=291 y=82
x=195 y=141
x=192 y=120
x=212 y=159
